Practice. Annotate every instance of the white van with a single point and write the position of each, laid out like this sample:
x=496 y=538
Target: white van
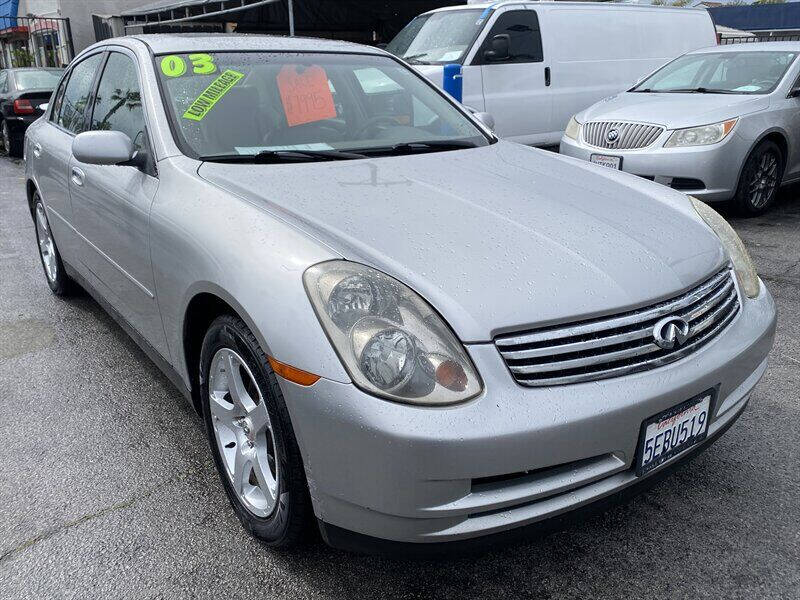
x=533 y=65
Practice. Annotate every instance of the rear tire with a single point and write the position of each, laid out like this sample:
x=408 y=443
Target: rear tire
x=60 y=283
x=761 y=177
x=9 y=146
x=251 y=436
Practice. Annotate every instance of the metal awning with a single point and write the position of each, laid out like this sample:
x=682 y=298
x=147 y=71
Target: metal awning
x=167 y=12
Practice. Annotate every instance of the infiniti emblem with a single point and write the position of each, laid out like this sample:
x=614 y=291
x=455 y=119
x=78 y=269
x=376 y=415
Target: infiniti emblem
x=612 y=135
x=671 y=332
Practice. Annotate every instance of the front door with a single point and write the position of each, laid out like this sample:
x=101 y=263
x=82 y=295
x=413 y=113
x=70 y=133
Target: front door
x=111 y=204
x=515 y=87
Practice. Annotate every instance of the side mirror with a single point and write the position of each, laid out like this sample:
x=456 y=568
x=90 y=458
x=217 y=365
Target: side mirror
x=485 y=118
x=501 y=45
x=104 y=148
x=44 y=107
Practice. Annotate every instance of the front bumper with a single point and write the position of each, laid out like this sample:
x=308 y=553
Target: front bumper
x=717 y=166
x=513 y=456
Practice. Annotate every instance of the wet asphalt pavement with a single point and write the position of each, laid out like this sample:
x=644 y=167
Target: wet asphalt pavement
x=107 y=489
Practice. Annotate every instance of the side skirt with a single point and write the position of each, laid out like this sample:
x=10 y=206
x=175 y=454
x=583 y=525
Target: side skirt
x=153 y=354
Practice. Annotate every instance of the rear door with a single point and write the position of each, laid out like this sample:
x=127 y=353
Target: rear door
x=515 y=89
x=111 y=204
x=51 y=149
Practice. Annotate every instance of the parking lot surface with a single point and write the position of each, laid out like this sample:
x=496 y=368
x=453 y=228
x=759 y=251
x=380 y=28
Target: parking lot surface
x=107 y=488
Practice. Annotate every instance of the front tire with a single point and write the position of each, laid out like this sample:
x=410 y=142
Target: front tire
x=251 y=436
x=60 y=283
x=761 y=177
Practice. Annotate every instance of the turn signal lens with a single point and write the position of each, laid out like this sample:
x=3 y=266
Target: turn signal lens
x=293 y=374
x=23 y=107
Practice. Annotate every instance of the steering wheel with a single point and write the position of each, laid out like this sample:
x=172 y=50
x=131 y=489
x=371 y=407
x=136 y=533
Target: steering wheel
x=374 y=122
x=331 y=125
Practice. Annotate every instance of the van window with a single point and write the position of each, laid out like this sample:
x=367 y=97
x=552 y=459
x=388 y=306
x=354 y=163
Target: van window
x=436 y=38
x=525 y=39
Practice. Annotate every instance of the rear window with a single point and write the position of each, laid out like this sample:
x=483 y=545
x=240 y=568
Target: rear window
x=37 y=80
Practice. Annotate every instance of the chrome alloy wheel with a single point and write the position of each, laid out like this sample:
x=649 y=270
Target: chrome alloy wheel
x=5 y=139
x=46 y=246
x=764 y=180
x=243 y=431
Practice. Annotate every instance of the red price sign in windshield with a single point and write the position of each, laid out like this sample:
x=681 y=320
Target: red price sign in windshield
x=305 y=94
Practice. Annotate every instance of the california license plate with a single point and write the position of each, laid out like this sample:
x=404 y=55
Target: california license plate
x=612 y=162
x=669 y=433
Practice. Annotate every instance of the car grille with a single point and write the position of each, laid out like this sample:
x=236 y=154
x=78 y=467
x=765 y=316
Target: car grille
x=630 y=136
x=619 y=344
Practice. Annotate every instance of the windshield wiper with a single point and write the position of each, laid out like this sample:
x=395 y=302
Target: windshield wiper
x=698 y=90
x=426 y=146
x=282 y=156
x=414 y=58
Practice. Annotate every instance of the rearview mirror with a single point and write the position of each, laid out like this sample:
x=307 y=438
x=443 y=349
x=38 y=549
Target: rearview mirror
x=103 y=148
x=501 y=45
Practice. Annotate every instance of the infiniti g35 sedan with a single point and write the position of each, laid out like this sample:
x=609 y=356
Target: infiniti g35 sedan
x=722 y=123
x=395 y=326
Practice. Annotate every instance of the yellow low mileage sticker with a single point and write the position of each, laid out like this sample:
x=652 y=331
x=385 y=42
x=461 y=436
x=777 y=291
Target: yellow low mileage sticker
x=198 y=109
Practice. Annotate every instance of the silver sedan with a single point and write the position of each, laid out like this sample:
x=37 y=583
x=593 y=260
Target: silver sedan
x=721 y=123
x=395 y=325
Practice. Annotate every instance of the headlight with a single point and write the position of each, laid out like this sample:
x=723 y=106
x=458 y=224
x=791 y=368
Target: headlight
x=742 y=263
x=700 y=136
x=392 y=343
x=573 y=129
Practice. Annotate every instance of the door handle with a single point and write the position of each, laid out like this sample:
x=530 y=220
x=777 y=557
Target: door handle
x=547 y=76
x=37 y=150
x=77 y=176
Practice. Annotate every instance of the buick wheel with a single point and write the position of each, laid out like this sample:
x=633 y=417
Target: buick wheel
x=251 y=436
x=760 y=180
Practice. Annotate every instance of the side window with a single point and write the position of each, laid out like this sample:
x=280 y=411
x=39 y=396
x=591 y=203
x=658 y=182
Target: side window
x=525 y=39
x=3 y=82
x=118 y=104
x=72 y=108
x=58 y=98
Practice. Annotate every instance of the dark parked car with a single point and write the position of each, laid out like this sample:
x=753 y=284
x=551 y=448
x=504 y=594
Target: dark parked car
x=22 y=94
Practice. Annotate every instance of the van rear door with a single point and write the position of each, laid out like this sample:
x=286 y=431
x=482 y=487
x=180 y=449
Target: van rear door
x=515 y=85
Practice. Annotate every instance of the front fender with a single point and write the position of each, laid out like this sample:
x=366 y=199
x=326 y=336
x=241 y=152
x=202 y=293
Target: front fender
x=205 y=240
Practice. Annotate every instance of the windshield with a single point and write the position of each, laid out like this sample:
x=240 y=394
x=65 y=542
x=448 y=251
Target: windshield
x=37 y=80
x=250 y=103
x=720 y=72
x=442 y=37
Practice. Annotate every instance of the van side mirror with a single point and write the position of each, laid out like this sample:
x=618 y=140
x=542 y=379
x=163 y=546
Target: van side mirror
x=105 y=148
x=501 y=48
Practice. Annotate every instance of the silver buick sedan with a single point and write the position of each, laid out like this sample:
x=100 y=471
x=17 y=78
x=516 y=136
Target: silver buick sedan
x=722 y=123
x=390 y=321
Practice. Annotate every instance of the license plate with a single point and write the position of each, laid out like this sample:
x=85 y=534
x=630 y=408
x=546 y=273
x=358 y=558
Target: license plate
x=669 y=433
x=612 y=162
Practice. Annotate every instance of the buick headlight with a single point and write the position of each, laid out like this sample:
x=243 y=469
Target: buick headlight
x=392 y=343
x=742 y=263
x=700 y=136
x=573 y=129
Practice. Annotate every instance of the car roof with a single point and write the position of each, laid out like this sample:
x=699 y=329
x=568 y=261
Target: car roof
x=160 y=43
x=557 y=4
x=18 y=69
x=752 y=47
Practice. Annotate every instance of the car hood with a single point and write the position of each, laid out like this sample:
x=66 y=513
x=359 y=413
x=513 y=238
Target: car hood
x=673 y=110
x=495 y=238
